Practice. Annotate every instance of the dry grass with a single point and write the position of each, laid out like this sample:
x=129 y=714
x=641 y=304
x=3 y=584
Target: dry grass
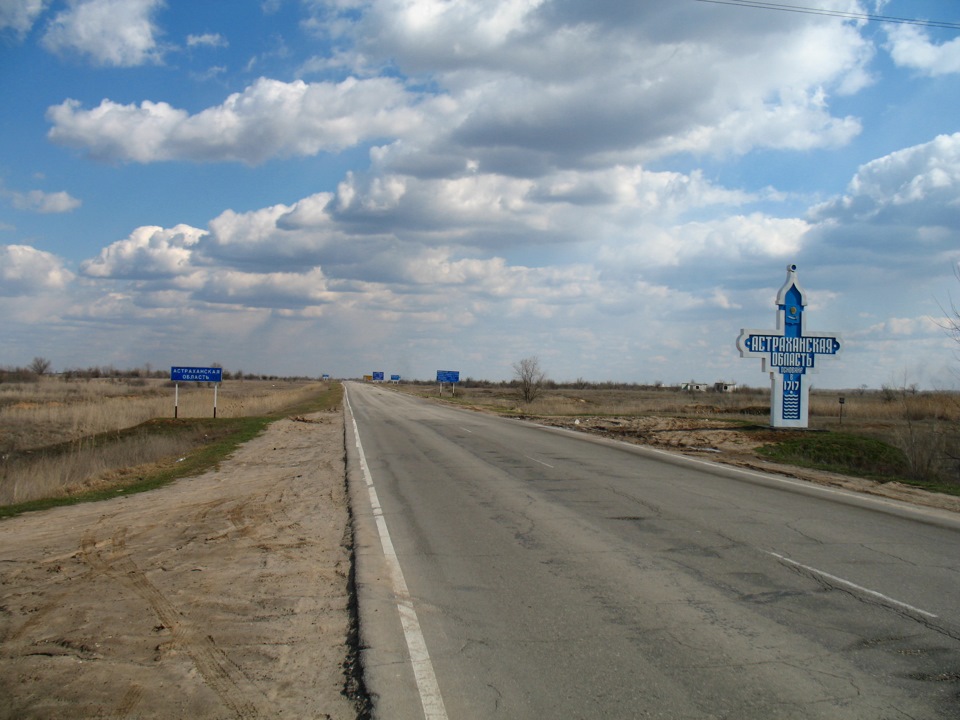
x=61 y=437
x=86 y=467
x=53 y=410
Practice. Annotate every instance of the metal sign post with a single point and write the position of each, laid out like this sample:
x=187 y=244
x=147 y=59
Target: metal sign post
x=789 y=354
x=448 y=376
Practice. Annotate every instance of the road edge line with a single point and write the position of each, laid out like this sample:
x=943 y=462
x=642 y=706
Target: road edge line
x=423 y=672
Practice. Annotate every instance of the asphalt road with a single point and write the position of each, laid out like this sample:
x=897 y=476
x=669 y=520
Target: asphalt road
x=509 y=570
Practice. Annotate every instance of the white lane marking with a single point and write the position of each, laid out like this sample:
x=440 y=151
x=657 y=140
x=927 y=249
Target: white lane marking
x=537 y=461
x=429 y=689
x=847 y=583
x=467 y=430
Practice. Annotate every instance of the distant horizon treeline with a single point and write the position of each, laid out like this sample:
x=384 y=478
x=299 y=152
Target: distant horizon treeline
x=40 y=367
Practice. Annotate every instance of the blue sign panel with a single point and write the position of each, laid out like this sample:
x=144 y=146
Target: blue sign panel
x=448 y=376
x=325 y=376
x=788 y=354
x=395 y=378
x=196 y=374
x=378 y=376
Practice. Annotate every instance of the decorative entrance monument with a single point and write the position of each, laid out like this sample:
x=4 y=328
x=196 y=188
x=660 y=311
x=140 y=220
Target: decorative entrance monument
x=789 y=354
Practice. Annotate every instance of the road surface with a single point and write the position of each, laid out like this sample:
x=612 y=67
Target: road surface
x=508 y=570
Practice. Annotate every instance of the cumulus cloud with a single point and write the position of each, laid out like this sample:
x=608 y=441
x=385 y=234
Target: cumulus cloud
x=911 y=47
x=730 y=239
x=552 y=84
x=20 y=15
x=27 y=271
x=43 y=202
x=111 y=32
x=919 y=183
x=269 y=119
x=149 y=252
x=271 y=290
x=521 y=88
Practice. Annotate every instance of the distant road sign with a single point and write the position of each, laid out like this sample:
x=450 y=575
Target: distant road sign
x=325 y=376
x=395 y=378
x=196 y=374
x=448 y=376
x=378 y=376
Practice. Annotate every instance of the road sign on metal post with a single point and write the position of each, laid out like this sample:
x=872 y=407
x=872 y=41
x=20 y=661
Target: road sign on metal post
x=789 y=354
x=448 y=376
x=195 y=374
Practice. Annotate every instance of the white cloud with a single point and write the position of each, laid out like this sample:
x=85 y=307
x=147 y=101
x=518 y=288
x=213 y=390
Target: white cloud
x=724 y=240
x=20 y=15
x=270 y=118
x=557 y=84
x=111 y=32
x=910 y=47
x=149 y=252
x=43 y=202
x=259 y=290
x=921 y=183
x=522 y=88
x=207 y=40
x=27 y=271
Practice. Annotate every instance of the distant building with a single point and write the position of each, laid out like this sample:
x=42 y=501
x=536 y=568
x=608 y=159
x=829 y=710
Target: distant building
x=724 y=387
x=694 y=386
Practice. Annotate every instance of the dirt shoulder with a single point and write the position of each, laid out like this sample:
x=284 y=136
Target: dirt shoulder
x=219 y=596
x=726 y=443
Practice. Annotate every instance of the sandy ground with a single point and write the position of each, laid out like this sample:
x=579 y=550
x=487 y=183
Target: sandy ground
x=220 y=596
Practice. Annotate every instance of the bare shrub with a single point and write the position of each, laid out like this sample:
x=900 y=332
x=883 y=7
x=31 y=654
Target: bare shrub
x=530 y=378
x=40 y=365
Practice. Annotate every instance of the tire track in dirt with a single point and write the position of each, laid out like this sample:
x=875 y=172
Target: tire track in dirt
x=224 y=677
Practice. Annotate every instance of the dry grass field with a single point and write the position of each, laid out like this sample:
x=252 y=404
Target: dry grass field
x=58 y=436
x=64 y=436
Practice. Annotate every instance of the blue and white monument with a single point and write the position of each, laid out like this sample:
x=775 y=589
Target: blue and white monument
x=789 y=354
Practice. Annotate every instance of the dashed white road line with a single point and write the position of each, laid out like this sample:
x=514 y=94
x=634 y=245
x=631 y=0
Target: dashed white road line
x=853 y=586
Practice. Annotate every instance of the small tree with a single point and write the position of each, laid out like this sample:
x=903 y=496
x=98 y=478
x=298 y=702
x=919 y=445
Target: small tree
x=529 y=377
x=40 y=365
x=952 y=321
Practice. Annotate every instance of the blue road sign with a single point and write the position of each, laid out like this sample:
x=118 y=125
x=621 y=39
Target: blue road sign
x=378 y=376
x=196 y=374
x=448 y=376
x=789 y=354
x=395 y=378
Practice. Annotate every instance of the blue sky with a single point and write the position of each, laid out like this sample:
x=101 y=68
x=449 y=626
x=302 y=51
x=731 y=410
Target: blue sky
x=343 y=186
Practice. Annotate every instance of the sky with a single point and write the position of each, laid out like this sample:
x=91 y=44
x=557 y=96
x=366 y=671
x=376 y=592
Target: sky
x=298 y=187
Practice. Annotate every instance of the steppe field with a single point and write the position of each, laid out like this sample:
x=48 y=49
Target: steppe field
x=65 y=437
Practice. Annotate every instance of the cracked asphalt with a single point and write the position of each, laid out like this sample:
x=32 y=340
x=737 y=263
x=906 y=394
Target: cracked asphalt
x=556 y=575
